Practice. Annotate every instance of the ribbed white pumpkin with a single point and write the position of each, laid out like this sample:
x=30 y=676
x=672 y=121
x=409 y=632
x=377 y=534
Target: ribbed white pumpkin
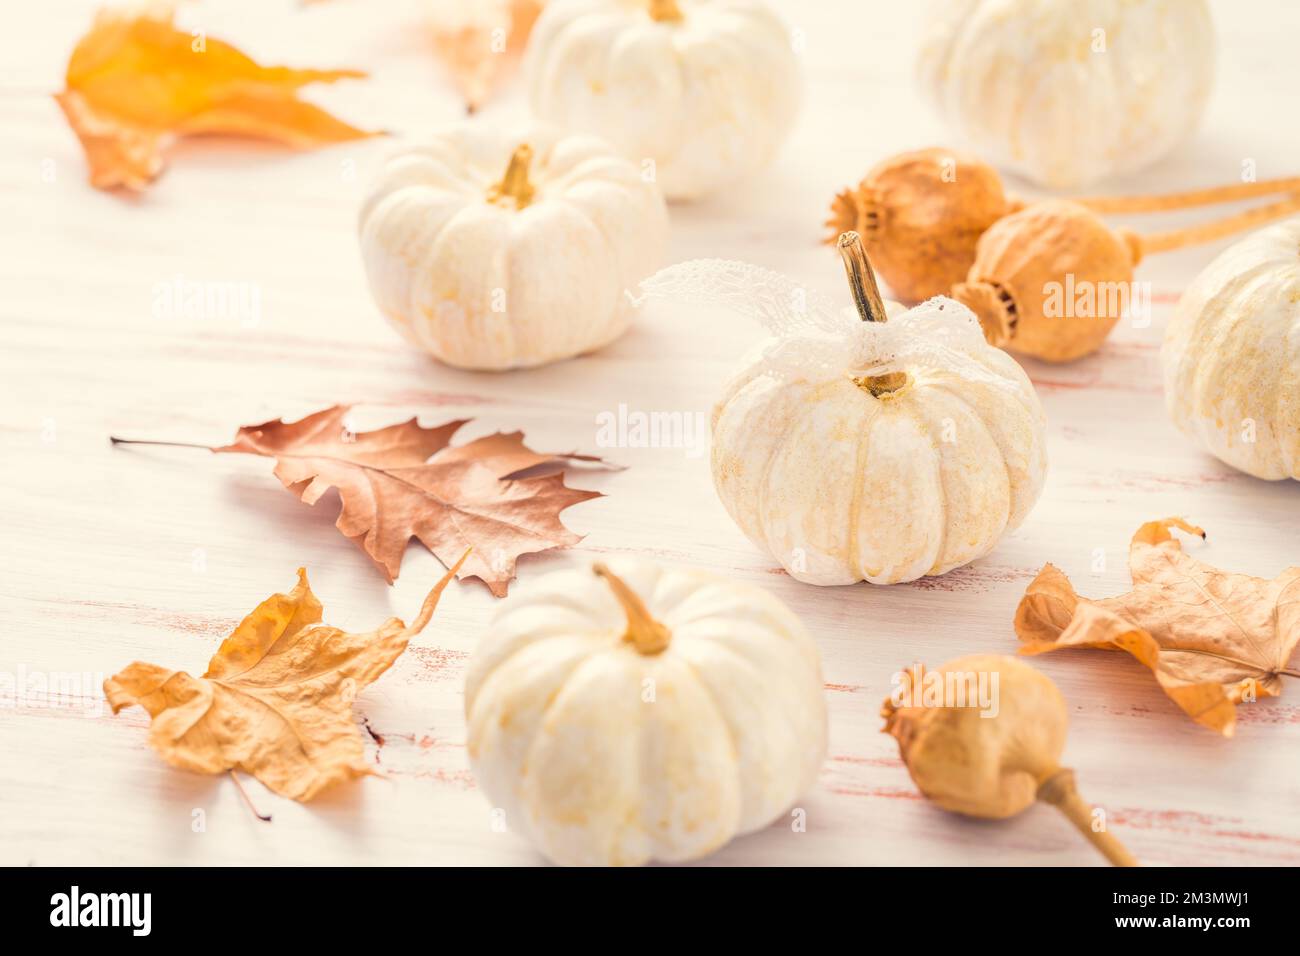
x=707 y=89
x=495 y=250
x=877 y=450
x=1231 y=355
x=1070 y=91
x=633 y=713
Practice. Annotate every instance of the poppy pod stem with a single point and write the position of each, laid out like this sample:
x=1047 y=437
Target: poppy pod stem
x=1162 y=202
x=646 y=634
x=1217 y=228
x=1059 y=789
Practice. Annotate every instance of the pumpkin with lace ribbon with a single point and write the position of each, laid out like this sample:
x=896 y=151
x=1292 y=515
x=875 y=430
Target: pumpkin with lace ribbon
x=879 y=447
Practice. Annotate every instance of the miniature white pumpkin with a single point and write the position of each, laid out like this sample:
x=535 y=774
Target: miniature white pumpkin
x=706 y=89
x=496 y=251
x=1070 y=91
x=630 y=713
x=1231 y=355
x=853 y=448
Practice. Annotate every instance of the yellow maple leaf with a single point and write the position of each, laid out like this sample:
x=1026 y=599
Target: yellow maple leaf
x=135 y=82
x=276 y=701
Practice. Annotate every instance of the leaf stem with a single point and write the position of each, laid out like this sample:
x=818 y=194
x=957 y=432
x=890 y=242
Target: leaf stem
x=145 y=441
x=1287 y=672
x=431 y=601
x=264 y=817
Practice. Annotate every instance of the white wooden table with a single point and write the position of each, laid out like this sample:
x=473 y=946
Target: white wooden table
x=111 y=555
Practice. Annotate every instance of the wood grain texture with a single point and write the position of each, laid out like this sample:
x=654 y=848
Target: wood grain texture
x=111 y=555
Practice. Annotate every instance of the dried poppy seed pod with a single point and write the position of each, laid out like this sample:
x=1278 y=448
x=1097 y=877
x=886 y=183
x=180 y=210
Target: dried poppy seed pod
x=992 y=761
x=1052 y=280
x=920 y=215
x=1028 y=267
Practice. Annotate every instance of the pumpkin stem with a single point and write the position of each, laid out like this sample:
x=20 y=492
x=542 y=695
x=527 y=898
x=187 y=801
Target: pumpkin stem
x=514 y=184
x=643 y=631
x=862 y=278
x=871 y=308
x=665 y=10
x=1059 y=789
x=882 y=386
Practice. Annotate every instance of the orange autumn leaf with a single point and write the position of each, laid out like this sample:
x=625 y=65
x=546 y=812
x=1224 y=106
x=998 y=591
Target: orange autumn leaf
x=276 y=700
x=493 y=495
x=1211 y=638
x=474 y=40
x=135 y=82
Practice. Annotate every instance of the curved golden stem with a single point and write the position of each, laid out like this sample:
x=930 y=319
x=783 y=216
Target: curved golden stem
x=514 y=184
x=643 y=631
x=862 y=278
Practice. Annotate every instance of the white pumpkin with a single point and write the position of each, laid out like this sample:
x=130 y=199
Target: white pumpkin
x=633 y=713
x=1231 y=355
x=853 y=448
x=493 y=251
x=1067 y=92
x=706 y=89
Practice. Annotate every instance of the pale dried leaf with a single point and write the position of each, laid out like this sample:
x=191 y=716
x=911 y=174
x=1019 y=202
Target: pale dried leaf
x=1211 y=638
x=276 y=700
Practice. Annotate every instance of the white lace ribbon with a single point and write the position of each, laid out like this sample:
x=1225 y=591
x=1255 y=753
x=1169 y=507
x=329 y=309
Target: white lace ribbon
x=812 y=339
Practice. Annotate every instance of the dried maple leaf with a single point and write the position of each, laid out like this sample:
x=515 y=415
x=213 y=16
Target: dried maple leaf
x=135 y=82
x=475 y=39
x=276 y=700
x=404 y=481
x=1211 y=638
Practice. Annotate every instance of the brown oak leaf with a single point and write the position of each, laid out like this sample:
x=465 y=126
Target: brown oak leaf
x=135 y=82
x=276 y=700
x=405 y=481
x=1211 y=638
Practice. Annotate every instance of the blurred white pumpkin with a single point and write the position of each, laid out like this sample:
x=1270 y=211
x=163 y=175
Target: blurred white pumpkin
x=495 y=250
x=1231 y=355
x=706 y=89
x=1067 y=92
x=630 y=713
x=853 y=448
